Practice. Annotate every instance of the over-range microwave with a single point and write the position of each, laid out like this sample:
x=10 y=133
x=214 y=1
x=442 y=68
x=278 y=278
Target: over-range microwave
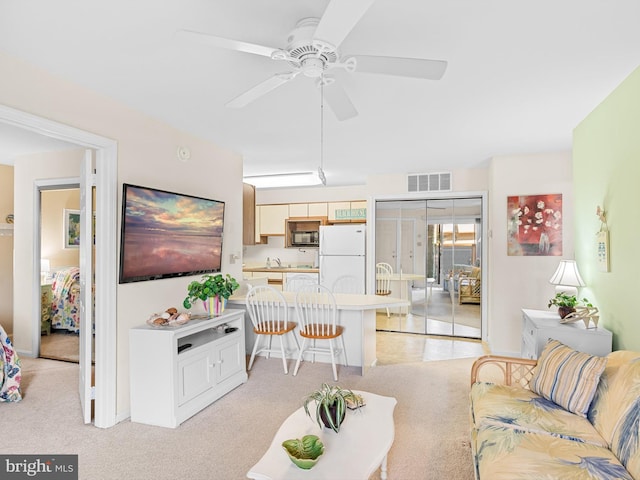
x=305 y=239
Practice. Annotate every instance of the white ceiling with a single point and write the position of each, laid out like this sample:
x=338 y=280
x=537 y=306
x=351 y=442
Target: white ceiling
x=521 y=75
x=15 y=141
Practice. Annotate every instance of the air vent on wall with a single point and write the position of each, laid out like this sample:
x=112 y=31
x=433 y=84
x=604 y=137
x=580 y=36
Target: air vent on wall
x=429 y=182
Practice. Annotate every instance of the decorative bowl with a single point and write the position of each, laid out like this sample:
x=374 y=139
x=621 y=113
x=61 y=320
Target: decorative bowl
x=304 y=453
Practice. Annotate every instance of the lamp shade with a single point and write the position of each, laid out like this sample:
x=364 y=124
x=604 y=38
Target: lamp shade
x=45 y=265
x=567 y=274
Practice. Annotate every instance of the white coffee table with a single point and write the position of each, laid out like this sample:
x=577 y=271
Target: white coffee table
x=355 y=452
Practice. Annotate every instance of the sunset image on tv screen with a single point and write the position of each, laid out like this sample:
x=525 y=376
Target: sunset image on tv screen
x=168 y=234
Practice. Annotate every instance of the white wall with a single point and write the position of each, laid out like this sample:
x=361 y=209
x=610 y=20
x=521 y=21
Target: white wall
x=146 y=156
x=6 y=250
x=522 y=282
x=27 y=169
x=514 y=283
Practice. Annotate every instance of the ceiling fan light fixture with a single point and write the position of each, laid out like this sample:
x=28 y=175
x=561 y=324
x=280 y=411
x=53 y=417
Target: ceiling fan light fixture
x=312 y=67
x=284 y=180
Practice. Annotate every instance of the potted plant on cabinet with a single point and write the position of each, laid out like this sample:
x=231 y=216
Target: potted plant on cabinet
x=331 y=404
x=213 y=290
x=567 y=303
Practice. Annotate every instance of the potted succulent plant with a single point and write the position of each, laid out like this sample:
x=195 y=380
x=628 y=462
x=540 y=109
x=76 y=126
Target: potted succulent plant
x=567 y=303
x=213 y=290
x=331 y=405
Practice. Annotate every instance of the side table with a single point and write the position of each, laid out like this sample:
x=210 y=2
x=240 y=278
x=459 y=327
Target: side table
x=46 y=297
x=538 y=326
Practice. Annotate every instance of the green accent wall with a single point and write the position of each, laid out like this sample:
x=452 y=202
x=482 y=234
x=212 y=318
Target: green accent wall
x=606 y=173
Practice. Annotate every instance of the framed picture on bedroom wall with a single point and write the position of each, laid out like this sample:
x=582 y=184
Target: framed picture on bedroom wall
x=71 y=228
x=534 y=225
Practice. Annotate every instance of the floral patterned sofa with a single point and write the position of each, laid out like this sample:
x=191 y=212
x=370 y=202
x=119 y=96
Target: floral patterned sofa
x=521 y=431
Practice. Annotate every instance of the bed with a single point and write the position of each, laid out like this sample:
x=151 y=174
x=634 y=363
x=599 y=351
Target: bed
x=9 y=370
x=65 y=304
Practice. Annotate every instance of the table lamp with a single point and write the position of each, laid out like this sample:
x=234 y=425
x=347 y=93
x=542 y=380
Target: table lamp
x=567 y=278
x=45 y=268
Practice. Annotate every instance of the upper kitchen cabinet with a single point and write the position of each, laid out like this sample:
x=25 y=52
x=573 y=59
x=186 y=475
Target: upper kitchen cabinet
x=250 y=234
x=308 y=210
x=318 y=210
x=298 y=210
x=272 y=219
x=347 y=212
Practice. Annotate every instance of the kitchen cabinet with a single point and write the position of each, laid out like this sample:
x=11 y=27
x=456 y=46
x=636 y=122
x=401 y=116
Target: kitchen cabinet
x=258 y=238
x=318 y=210
x=275 y=280
x=538 y=326
x=300 y=210
x=308 y=210
x=250 y=221
x=272 y=219
x=176 y=372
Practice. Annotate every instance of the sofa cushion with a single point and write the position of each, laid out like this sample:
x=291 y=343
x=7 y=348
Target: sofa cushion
x=509 y=454
x=615 y=410
x=567 y=377
x=521 y=409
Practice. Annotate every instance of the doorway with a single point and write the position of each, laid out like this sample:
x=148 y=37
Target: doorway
x=28 y=268
x=60 y=272
x=435 y=249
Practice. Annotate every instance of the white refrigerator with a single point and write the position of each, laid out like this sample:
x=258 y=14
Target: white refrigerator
x=342 y=254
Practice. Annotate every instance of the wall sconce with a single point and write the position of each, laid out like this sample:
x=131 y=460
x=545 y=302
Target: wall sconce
x=567 y=278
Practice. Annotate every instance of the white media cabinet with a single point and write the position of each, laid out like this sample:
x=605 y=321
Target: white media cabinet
x=170 y=382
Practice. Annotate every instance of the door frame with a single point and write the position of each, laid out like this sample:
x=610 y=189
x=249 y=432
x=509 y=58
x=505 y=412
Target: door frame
x=106 y=253
x=371 y=238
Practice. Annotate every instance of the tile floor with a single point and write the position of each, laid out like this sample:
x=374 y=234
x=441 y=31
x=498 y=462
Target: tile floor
x=394 y=347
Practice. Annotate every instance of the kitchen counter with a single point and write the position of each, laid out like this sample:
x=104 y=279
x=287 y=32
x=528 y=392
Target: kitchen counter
x=357 y=313
x=281 y=269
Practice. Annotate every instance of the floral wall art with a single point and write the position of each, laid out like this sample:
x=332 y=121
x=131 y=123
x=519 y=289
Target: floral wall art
x=534 y=225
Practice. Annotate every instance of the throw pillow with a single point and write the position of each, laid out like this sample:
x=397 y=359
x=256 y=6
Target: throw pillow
x=567 y=377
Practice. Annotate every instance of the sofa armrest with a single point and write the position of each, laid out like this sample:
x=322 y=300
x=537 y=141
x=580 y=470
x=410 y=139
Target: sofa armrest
x=512 y=370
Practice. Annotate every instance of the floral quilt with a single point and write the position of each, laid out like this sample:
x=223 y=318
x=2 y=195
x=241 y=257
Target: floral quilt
x=65 y=308
x=9 y=371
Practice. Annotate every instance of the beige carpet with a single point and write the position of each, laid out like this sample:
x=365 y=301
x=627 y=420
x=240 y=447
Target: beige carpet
x=227 y=438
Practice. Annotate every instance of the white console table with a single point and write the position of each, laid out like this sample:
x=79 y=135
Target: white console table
x=538 y=326
x=177 y=371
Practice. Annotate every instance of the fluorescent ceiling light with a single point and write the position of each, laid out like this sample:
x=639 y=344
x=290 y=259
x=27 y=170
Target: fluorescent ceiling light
x=281 y=180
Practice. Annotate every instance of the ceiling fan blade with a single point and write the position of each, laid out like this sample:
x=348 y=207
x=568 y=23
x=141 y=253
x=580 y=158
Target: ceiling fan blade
x=403 y=67
x=339 y=101
x=338 y=20
x=261 y=89
x=228 y=43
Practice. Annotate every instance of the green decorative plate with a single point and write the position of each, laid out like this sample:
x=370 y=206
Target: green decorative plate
x=304 y=453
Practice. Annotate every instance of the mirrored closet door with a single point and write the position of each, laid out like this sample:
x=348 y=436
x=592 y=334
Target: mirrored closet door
x=433 y=247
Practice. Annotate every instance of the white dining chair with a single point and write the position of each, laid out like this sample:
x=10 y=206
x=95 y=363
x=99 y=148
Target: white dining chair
x=296 y=281
x=269 y=315
x=383 y=280
x=345 y=284
x=317 y=315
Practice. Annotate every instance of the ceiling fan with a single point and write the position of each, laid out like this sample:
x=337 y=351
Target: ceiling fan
x=313 y=49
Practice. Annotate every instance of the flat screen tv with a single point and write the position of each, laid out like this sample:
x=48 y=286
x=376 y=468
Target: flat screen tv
x=167 y=234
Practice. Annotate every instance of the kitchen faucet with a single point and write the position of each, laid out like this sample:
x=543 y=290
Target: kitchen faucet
x=277 y=260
